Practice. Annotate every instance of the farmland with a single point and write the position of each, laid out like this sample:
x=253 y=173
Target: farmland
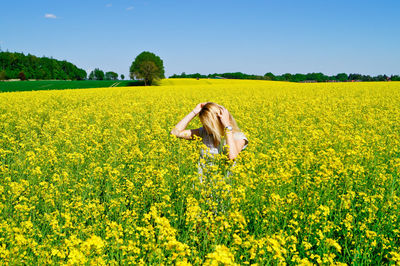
x=11 y=86
x=94 y=176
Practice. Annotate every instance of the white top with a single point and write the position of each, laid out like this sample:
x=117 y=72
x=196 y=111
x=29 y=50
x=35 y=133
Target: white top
x=208 y=141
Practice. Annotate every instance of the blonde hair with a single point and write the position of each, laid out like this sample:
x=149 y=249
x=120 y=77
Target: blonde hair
x=212 y=124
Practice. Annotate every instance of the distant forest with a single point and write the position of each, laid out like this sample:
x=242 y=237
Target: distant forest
x=310 y=77
x=20 y=66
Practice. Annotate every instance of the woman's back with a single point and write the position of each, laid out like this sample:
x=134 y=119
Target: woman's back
x=207 y=155
x=208 y=141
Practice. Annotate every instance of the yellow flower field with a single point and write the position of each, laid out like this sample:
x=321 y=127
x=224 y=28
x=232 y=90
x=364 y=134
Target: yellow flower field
x=94 y=177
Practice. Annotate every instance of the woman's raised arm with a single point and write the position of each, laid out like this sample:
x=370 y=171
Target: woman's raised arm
x=180 y=129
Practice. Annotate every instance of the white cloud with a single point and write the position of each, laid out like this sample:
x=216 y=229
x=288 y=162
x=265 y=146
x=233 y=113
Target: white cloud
x=129 y=8
x=50 y=16
x=109 y=5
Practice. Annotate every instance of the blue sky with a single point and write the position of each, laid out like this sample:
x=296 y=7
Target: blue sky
x=254 y=37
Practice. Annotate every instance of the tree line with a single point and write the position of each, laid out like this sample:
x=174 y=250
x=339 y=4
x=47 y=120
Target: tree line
x=19 y=66
x=310 y=77
x=148 y=67
x=98 y=74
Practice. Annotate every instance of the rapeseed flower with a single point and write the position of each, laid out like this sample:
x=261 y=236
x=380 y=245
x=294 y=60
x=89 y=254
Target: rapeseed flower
x=93 y=176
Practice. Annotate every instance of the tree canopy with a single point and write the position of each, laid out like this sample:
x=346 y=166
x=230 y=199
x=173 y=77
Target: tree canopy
x=20 y=66
x=96 y=74
x=111 y=75
x=148 y=67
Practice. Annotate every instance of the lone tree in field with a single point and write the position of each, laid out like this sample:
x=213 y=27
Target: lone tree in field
x=148 y=67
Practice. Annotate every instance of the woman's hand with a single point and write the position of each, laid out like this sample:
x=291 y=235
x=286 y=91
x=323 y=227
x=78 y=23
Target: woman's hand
x=198 y=108
x=224 y=117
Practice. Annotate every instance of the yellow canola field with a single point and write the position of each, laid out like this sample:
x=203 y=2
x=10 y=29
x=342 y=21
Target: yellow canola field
x=94 y=177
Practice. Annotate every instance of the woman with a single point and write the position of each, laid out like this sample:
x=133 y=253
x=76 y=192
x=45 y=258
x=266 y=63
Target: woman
x=219 y=129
